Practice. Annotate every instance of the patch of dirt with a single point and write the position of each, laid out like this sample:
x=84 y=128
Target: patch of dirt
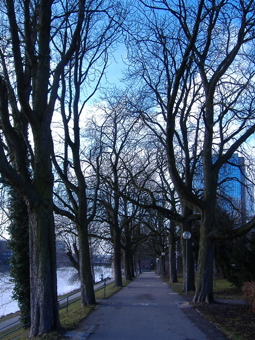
x=231 y=319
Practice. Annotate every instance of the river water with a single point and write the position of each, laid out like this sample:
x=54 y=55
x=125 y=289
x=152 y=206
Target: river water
x=8 y=305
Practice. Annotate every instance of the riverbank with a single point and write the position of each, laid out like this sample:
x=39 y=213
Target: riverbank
x=66 y=284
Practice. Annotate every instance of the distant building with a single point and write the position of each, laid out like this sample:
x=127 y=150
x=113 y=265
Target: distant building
x=102 y=260
x=5 y=253
x=234 y=189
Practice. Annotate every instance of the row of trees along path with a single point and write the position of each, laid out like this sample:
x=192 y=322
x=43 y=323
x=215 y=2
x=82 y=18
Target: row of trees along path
x=187 y=108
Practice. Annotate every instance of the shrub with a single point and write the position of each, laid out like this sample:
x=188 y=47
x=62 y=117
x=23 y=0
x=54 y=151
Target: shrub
x=249 y=294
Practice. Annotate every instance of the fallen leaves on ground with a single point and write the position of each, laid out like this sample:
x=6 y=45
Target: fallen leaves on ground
x=236 y=321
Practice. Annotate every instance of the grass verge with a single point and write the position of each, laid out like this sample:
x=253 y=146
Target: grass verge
x=222 y=289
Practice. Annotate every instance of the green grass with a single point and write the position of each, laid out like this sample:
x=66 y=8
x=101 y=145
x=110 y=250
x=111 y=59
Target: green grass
x=225 y=290
x=177 y=287
x=222 y=289
x=69 y=319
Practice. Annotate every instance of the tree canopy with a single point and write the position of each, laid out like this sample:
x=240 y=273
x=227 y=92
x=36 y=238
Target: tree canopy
x=151 y=162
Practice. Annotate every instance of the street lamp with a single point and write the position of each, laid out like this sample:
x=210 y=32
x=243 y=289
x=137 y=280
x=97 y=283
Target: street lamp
x=163 y=264
x=186 y=236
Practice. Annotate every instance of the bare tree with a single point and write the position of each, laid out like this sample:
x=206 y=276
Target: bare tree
x=201 y=82
x=100 y=30
x=30 y=72
x=118 y=132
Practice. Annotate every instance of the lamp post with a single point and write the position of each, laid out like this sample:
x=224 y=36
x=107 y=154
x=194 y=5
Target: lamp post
x=186 y=236
x=163 y=264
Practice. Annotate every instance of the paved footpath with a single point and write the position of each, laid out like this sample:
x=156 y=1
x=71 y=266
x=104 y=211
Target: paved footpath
x=146 y=309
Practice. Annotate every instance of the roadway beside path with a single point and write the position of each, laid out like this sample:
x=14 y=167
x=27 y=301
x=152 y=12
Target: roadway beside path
x=145 y=309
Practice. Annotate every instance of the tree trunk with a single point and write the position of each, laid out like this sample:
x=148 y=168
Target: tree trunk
x=172 y=254
x=116 y=232
x=117 y=259
x=42 y=245
x=128 y=254
x=86 y=278
x=43 y=278
x=127 y=265
x=132 y=269
x=163 y=259
x=204 y=289
x=139 y=266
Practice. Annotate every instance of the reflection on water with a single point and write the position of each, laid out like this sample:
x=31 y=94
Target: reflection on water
x=65 y=285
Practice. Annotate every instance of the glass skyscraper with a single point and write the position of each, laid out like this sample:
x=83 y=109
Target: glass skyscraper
x=235 y=193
